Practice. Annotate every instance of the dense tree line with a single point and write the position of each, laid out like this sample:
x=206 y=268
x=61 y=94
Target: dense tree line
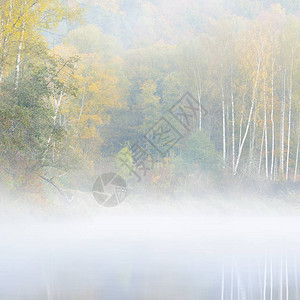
x=102 y=82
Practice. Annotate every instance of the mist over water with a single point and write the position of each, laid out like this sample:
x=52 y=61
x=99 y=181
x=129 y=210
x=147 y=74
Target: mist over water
x=149 y=149
x=151 y=254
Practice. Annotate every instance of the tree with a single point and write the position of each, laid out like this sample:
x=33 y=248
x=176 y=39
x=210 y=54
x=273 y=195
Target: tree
x=21 y=24
x=198 y=153
x=33 y=142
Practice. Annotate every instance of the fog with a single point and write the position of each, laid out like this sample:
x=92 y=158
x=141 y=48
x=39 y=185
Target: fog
x=149 y=149
x=156 y=253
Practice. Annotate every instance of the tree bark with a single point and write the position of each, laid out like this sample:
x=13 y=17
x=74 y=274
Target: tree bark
x=272 y=119
x=266 y=133
x=289 y=122
x=199 y=95
x=223 y=124
x=252 y=137
x=261 y=151
x=249 y=117
x=282 y=127
x=297 y=158
x=18 y=60
x=233 y=125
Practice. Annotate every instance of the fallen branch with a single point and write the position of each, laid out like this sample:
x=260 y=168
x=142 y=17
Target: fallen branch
x=56 y=187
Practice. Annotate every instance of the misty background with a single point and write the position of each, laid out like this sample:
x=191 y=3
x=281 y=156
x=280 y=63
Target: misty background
x=211 y=210
x=83 y=81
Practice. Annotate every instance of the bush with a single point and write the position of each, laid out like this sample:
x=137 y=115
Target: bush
x=198 y=154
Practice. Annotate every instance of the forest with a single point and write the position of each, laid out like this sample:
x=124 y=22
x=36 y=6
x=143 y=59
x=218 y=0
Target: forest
x=149 y=149
x=82 y=82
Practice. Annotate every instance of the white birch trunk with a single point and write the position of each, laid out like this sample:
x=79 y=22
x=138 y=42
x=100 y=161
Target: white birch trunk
x=289 y=122
x=199 y=95
x=249 y=117
x=223 y=124
x=266 y=133
x=261 y=151
x=282 y=127
x=252 y=138
x=297 y=158
x=233 y=125
x=241 y=123
x=81 y=108
x=18 y=60
x=272 y=120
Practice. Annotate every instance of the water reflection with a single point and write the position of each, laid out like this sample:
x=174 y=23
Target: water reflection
x=152 y=258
